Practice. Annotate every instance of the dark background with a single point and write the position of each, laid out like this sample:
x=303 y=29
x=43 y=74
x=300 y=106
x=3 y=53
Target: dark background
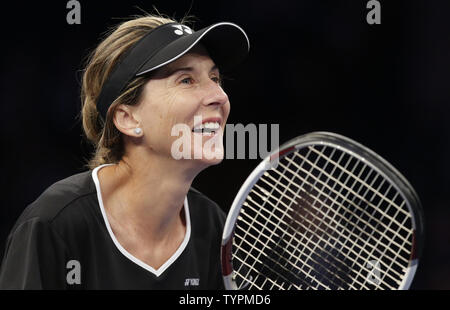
x=313 y=65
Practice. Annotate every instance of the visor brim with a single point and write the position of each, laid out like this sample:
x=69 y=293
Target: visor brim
x=226 y=43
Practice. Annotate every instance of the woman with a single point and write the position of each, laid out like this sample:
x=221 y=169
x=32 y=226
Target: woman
x=133 y=221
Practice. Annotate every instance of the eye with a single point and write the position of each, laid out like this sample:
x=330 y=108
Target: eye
x=187 y=81
x=217 y=80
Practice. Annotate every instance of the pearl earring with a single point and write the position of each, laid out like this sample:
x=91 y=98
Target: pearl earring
x=138 y=131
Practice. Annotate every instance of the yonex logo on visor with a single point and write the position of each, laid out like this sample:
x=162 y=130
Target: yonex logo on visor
x=181 y=29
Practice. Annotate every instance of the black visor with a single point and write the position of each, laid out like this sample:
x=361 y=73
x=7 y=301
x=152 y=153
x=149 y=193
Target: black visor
x=226 y=43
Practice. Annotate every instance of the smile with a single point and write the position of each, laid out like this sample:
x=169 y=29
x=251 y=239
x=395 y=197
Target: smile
x=207 y=128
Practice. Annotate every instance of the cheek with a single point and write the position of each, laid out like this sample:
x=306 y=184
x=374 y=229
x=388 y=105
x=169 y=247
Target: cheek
x=158 y=108
x=154 y=114
x=183 y=107
x=226 y=111
x=160 y=115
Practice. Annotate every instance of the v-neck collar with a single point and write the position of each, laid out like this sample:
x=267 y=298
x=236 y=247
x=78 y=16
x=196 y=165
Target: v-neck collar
x=170 y=261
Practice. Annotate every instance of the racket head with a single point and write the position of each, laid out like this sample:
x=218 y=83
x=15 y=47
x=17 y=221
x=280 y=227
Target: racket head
x=376 y=166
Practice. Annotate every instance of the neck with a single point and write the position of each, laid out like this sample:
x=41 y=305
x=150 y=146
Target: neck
x=148 y=195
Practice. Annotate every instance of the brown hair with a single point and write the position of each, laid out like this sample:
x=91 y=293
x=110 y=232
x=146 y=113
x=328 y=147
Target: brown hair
x=103 y=134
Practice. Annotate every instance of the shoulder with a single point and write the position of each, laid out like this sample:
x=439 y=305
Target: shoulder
x=205 y=210
x=59 y=197
x=200 y=200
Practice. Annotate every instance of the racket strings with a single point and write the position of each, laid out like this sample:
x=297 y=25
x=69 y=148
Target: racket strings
x=335 y=268
x=256 y=259
x=375 y=190
x=361 y=218
x=258 y=238
x=297 y=256
x=359 y=197
x=336 y=222
x=293 y=220
x=291 y=239
x=369 y=239
x=318 y=230
x=282 y=271
x=322 y=233
x=371 y=185
x=405 y=234
x=292 y=234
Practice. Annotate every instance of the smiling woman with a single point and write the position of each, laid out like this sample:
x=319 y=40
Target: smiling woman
x=186 y=92
x=133 y=221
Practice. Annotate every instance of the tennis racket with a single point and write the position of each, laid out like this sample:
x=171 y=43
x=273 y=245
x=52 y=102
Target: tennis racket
x=323 y=212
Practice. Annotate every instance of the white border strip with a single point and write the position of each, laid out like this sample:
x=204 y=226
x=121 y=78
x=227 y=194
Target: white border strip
x=171 y=260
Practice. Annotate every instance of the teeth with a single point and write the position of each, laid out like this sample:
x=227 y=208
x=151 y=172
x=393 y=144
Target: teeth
x=214 y=125
x=207 y=127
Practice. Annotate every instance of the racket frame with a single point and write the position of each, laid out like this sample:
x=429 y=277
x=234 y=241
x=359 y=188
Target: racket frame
x=351 y=147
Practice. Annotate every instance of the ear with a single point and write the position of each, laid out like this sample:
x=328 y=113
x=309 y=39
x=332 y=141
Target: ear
x=126 y=121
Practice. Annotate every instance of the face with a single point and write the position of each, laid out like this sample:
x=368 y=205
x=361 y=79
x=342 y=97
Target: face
x=183 y=110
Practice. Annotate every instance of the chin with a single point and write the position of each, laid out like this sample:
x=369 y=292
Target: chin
x=210 y=158
x=203 y=150
x=211 y=162
x=198 y=165
x=206 y=158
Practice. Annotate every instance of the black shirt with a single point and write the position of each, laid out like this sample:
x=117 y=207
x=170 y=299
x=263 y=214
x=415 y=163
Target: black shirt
x=63 y=241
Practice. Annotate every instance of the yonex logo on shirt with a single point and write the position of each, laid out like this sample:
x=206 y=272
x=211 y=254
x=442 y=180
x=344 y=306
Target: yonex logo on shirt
x=192 y=282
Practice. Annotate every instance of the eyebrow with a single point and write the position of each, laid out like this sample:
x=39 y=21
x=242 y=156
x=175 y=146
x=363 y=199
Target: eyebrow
x=171 y=71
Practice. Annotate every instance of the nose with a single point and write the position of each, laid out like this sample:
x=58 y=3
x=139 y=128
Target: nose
x=214 y=95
